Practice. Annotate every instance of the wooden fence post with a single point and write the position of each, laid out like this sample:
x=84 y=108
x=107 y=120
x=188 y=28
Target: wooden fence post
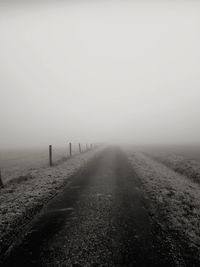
x=1 y=182
x=79 y=145
x=50 y=155
x=70 y=149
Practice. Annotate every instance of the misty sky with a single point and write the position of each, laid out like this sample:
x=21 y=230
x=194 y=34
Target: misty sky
x=93 y=71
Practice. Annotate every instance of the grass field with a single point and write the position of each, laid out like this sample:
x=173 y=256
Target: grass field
x=20 y=163
x=183 y=160
x=188 y=152
x=171 y=180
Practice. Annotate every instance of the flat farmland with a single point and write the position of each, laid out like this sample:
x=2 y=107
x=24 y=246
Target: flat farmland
x=188 y=152
x=182 y=159
x=22 y=163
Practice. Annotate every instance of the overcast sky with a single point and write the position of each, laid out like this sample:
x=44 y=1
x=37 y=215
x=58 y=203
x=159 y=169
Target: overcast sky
x=99 y=71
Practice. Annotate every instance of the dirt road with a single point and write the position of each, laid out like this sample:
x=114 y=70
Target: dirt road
x=99 y=219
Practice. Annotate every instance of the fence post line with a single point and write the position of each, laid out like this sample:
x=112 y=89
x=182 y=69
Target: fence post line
x=70 y=149
x=79 y=145
x=1 y=182
x=50 y=155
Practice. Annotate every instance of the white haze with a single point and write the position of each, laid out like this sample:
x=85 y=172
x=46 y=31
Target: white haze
x=111 y=71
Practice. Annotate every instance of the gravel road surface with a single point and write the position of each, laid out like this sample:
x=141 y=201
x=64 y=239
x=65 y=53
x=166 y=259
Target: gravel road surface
x=99 y=219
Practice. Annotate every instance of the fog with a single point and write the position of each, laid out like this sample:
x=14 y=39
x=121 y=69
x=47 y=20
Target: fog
x=99 y=71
